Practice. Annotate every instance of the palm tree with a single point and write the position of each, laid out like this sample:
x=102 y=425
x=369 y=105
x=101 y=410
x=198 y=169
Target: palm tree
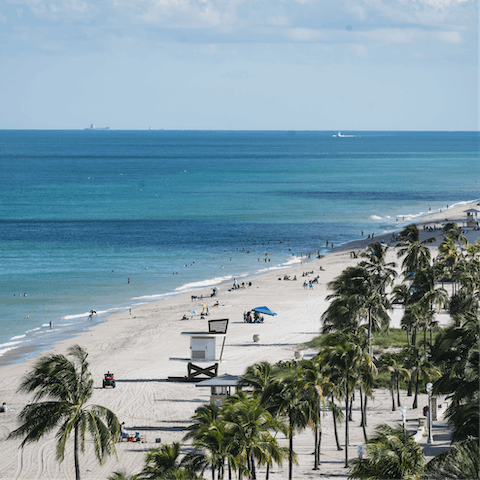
x=250 y=426
x=392 y=453
x=318 y=385
x=66 y=386
x=357 y=296
x=287 y=397
x=208 y=432
x=121 y=475
x=390 y=362
x=376 y=264
x=456 y=351
x=342 y=357
x=462 y=461
x=163 y=463
x=417 y=254
x=453 y=231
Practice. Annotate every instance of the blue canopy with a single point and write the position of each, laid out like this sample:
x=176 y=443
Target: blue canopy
x=264 y=310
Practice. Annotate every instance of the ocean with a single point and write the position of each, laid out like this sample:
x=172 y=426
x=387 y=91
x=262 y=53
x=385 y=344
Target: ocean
x=109 y=220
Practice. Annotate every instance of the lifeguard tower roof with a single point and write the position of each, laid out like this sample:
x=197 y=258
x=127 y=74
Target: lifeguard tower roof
x=225 y=380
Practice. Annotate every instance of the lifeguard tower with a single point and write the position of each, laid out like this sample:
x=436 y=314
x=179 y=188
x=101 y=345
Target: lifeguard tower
x=472 y=217
x=203 y=358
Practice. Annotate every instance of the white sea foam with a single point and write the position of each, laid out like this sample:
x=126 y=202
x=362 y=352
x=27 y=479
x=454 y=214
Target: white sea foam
x=9 y=344
x=293 y=261
x=5 y=347
x=79 y=315
x=33 y=329
x=375 y=217
x=206 y=283
x=87 y=314
x=157 y=296
x=17 y=337
x=5 y=350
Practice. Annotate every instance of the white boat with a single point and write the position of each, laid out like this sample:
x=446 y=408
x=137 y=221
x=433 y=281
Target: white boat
x=339 y=134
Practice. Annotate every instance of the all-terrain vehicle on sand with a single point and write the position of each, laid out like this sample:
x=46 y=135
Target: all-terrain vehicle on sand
x=108 y=381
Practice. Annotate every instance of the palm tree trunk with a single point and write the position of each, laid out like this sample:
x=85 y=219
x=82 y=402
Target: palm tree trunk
x=252 y=461
x=315 y=461
x=392 y=392
x=319 y=443
x=362 y=423
x=335 y=430
x=398 y=392
x=369 y=333
x=290 y=450
x=229 y=470
x=75 y=452
x=350 y=418
x=267 y=473
x=221 y=470
x=346 y=423
x=415 y=399
x=365 y=400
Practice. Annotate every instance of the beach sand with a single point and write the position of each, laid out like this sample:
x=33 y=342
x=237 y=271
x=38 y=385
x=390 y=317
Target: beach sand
x=137 y=346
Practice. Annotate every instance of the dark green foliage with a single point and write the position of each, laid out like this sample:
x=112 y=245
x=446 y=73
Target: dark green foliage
x=392 y=453
x=461 y=302
x=461 y=462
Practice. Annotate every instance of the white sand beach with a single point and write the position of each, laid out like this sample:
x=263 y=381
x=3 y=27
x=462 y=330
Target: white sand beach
x=137 y=346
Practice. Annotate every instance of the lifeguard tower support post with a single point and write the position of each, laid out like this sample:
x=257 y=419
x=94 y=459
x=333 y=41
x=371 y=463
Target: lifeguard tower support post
x=203 y=351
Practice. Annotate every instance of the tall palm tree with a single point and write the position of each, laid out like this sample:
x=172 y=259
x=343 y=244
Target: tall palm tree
x=287 y=396
x=417 y=254
x=208 y=434
x=376 y=264
x=319 y=386
x=391 y=363
x=358 y=296
x=453 y=231
x=62 y=389
x=250 y=427
x=392 y=453
x=342 y=357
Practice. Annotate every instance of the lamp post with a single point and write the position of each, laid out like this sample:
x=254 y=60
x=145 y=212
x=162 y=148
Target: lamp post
x=404 y=414
x=429 y=418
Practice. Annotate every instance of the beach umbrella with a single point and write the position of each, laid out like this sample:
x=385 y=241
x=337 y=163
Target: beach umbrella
x=264 y=310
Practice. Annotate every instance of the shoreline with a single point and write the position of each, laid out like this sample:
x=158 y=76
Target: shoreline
x=16 y=354
x=137 y=348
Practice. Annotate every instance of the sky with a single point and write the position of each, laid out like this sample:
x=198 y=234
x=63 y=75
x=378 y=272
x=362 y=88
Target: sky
x=239 y=64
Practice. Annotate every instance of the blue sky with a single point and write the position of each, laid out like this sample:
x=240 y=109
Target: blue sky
x=239 y=64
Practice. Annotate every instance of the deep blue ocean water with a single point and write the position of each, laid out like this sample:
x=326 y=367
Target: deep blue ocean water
x=83 y=212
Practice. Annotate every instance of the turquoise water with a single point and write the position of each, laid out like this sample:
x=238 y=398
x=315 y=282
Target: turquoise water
x=108 y=220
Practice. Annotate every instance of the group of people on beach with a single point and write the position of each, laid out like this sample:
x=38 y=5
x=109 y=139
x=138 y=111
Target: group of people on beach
x=236 y=286
x=248 y=317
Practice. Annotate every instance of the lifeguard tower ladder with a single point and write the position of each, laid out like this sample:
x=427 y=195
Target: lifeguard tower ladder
x=203 y=359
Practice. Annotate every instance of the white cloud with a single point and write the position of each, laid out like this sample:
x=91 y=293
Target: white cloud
x=359 y=49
